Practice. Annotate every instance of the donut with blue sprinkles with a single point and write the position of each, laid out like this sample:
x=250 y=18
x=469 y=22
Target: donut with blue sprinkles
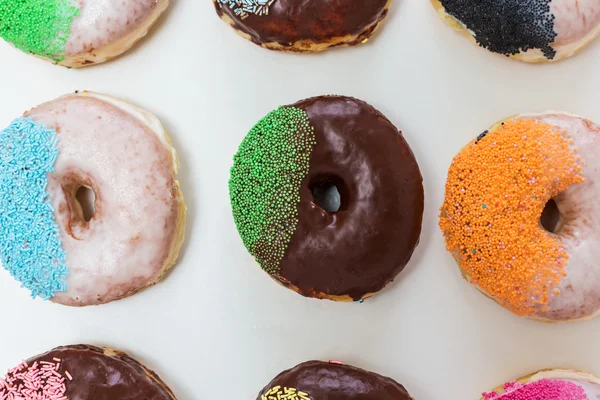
x=90 y=207
x=531 y=31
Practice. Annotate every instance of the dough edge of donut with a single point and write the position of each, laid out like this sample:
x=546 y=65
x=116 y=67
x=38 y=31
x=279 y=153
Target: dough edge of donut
x=531 y=56
x=455 y=255
x=323 y=296
x=562 y=373
x=116 y=48
x=153 y=123
x=310 y=46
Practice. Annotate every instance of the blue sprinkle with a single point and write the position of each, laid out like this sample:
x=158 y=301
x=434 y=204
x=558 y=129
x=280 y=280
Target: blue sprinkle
x=484 y=206
x=30 y=245
x=474 y=251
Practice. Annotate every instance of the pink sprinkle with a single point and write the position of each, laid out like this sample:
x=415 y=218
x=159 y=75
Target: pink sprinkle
x=68 y=375
x=336 y=362
x=40 y=381
x=544 y=389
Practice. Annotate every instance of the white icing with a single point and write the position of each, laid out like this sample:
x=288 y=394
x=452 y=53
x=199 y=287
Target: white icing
x=580 y=236
x=149 y=119
x=110 y=147
x=101 y=22
x=589 y=383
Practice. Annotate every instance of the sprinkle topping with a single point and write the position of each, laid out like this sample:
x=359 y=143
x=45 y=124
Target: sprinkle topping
x=40 y=27
x=243 y=8
x=496 y=191
x=30 y=246
x=40 y=381
x=507 y=26
x=265 y=182
x=544 y=389
x=279 y=393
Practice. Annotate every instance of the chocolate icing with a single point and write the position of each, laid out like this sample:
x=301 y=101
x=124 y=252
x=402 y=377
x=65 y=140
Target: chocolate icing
x=318 y=21
x=105 y=377
x=328 y=381
x=362 y=247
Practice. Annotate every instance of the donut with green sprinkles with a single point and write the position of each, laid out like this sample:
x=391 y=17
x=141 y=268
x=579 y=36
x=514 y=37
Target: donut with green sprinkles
x=328 y=198
x=74 y=33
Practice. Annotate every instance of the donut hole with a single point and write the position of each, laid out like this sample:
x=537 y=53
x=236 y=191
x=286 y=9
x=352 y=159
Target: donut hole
x=329 y=194
x=550 y=219
x=86 y=198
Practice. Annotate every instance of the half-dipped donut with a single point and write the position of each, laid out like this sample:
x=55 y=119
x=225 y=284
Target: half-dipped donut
x=303 y=25
x=335 y=143
x=521 y=217
x=319 y=380
x=549 y=384
x=79 y=251
x=532 y=30
x=77 y=33
x=78 y=372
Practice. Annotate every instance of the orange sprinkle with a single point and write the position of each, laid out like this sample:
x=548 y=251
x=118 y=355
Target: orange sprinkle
x=495 y=194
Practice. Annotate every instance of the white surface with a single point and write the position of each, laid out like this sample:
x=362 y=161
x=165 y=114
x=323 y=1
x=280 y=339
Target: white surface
x=218 y=326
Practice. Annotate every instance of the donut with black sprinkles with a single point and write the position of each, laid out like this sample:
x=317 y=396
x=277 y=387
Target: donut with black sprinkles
x=507 y=26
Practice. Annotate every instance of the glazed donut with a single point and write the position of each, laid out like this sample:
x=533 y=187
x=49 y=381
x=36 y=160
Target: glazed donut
x=328 y=144
x=520 y=215
x=80 y=252
x=77 y=33
x=317 y=380
x=303 y=25
x=531 y=31
x=549 y=384
x=80 y=372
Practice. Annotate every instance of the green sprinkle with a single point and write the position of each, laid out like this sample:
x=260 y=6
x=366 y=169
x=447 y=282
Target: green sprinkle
x=40 y=27
x=264 y=187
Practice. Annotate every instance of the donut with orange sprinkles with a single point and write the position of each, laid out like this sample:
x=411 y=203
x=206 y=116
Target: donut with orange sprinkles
x=79 y=372
x=520 y=215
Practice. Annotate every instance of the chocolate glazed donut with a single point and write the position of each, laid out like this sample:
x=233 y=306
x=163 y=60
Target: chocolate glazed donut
x=104 y=374
x=318 y=380
x=362 y=247
x=345 y=255
x=303 y=25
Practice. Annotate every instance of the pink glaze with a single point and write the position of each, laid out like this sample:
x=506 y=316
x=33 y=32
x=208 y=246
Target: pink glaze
x=574 y=19
x=101 y=22
x=578 y=293
x=124 y=247
x=544 y=389
x=40 y=381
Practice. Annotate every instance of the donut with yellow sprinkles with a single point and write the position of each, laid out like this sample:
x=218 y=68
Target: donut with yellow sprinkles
x=520 y=218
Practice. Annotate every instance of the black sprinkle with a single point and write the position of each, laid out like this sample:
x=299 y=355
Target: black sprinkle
x=507 y=26
x=77 y=91
x=481 y=136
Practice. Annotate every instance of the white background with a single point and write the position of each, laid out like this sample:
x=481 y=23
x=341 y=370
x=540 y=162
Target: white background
x=217 y=326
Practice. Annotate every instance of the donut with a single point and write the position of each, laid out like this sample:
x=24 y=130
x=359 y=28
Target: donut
x=319 y=380
x=83 y=371
x=77 y=33
x=303 y=25
x=281 y=179
x=90 y=208
x=530 y=31
x=549 y=384
x=520 y=215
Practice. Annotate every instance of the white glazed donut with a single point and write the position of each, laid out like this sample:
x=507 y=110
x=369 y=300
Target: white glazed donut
x=521 y=215
x=531 y=31
x=77 y=33
x=561 y=384
x=124 y=156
